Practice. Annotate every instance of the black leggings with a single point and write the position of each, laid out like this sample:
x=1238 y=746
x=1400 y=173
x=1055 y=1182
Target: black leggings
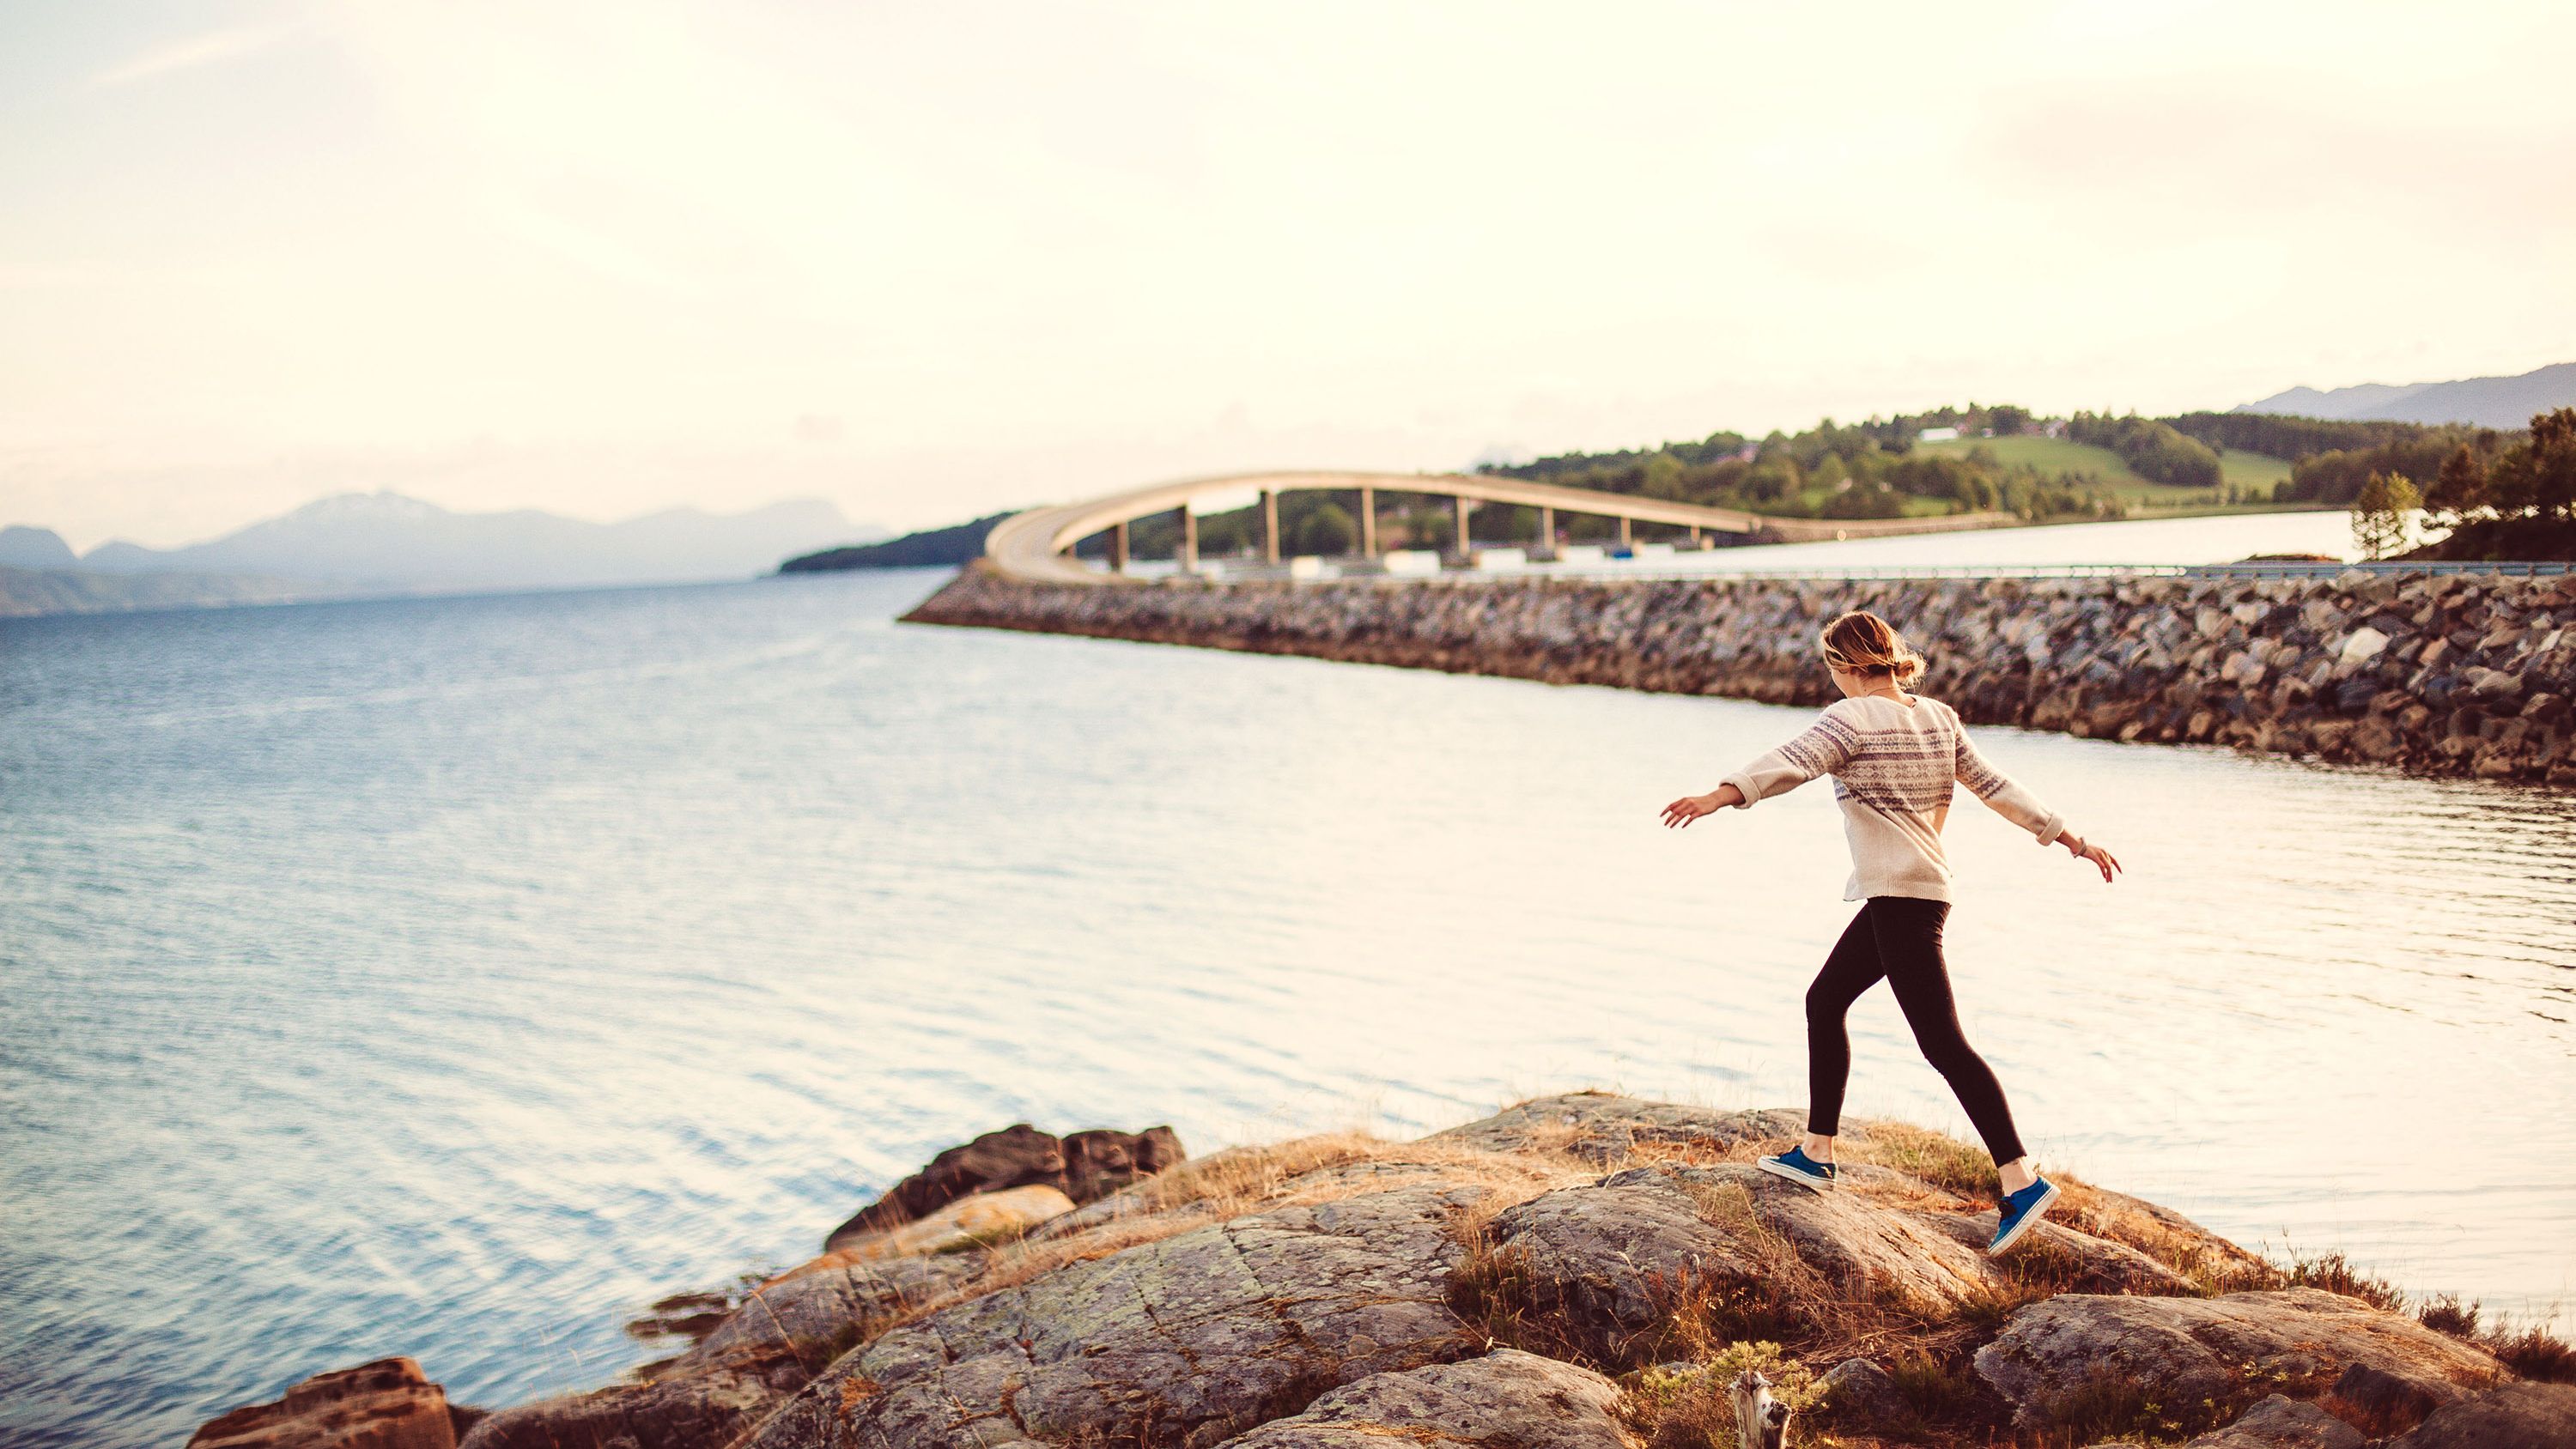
x=1899 y=938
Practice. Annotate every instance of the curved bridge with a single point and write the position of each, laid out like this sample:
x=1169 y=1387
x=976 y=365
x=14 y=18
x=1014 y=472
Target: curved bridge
x=1035 y=545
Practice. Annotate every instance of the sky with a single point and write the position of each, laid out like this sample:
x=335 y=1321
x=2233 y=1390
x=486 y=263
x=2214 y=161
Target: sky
x=929 y=261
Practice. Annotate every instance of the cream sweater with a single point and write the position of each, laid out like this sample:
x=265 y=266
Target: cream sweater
x=1893 y=764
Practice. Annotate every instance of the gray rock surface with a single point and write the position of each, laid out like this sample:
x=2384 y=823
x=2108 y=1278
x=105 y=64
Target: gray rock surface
x=1603 y=1127
x=1610 y=1257
x=2514 y=1416
x=1186 y=1341
x=783 y=1334
x=2282 y=1423
x=2184 y=1351
x=1505 y=1400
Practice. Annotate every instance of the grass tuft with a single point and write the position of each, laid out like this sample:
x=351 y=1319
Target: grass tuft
x=2533 y=1353
x=2446 y=1314
x=2335 y=1273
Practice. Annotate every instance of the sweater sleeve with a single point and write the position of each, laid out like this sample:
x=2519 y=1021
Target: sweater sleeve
x=2007 y=799
x=1827 y=746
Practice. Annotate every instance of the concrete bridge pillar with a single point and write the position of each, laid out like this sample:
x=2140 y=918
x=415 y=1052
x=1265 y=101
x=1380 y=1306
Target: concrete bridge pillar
x=1189 y=558
x=1118 y=549
x=1699 y=536
x=1463 y=545
x=1627 y=531
x=1547 y=530
x=1269 y=526
x=1368 y=522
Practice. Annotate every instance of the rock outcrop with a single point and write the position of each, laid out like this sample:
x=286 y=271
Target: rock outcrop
x=2182 y=1352
x=1481 y=1286
x=2515 y=1416
x=2450 y=674
x=1504 y=1400
x=2279 y=1422
x=1187 y=1340
x=387 y=1404
x=1084 y=1167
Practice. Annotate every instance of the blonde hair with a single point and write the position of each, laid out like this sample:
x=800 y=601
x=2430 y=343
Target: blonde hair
x=1860 y=642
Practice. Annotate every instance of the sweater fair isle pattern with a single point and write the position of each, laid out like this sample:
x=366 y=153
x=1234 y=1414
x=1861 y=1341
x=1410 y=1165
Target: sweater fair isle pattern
x=1893 y=764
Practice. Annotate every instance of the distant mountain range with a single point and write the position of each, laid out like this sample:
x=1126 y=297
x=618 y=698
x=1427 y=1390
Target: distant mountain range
x=2494 y=402
x=384 y=543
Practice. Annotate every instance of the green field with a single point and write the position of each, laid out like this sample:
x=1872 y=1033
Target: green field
x=2252 y=473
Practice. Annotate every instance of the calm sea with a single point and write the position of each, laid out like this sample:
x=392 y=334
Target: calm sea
x=452 y=977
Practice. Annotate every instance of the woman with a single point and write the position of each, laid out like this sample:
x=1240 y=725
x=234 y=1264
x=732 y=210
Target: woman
x=1894 y=757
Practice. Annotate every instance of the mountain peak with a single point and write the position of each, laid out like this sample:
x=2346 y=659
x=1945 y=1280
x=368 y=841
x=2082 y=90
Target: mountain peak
x=22 y=547
x=2490 y=402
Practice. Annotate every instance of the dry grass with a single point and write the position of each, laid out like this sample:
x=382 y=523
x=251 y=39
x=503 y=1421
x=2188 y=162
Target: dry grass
x=2532 y=1353
x=1783 y=1299
x=1934 y=1157
x=2335 y=1273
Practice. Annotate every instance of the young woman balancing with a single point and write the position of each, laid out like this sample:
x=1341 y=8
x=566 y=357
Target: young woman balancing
x=1894 y=757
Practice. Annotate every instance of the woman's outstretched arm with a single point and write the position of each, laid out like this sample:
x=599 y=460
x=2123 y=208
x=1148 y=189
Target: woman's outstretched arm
x=1827 y=746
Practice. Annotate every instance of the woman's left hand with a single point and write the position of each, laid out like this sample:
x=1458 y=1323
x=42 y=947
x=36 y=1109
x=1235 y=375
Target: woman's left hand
x=2103 y=860
x=1689 y=808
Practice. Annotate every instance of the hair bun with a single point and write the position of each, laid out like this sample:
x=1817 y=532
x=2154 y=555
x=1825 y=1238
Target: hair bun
x=1860 y=642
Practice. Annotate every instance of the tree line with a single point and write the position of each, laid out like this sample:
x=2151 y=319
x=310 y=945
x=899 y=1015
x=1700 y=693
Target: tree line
x=1839 y=470
x=2493 y=494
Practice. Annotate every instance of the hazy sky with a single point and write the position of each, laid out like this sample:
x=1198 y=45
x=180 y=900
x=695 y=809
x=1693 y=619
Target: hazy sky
x=930 y=260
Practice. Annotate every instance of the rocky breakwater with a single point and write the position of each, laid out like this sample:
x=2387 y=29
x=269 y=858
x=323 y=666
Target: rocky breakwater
x=2445 y=674
x=1585 y=1271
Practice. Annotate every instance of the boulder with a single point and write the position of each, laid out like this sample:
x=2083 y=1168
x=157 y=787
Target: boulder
x=2515 y=1416
x=1606 y=1129
x=1505 y=1400
x=969 y=1222
x=2361 y=645
x=2189 y=1351
x=1859 y=1392
x=2282 y=1423
x=386 y=1404
x=1607 y=1262
x=783 y=1334
x=2384 y=1400
x=1186 y=1340
x=1082 y=1167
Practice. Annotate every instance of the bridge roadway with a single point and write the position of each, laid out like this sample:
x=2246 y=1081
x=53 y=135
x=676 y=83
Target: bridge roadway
x=1035 y=545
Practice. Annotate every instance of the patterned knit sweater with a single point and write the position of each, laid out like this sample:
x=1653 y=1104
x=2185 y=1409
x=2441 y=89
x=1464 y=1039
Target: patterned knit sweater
x=1893 y=764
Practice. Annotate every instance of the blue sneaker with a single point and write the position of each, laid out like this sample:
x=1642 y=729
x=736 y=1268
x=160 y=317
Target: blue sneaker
x=2021 y=1212
x=1798 y=1167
